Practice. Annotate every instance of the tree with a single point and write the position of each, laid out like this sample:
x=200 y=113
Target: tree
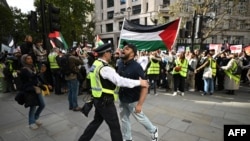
x=213 y=13
x=73 y=18
x=21 y=26
x=6 y=23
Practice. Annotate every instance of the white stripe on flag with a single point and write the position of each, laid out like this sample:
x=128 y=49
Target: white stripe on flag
x=129 y=35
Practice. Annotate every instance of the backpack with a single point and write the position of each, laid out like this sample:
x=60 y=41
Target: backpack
x=63 y=63
x=237 y=70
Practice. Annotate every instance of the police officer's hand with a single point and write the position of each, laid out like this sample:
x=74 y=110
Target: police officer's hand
x=144 y=83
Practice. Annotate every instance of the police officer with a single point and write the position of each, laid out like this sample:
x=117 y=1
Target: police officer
x=104 y=83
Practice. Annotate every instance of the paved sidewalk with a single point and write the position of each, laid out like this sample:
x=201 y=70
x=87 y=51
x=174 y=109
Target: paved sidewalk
x=181 y=118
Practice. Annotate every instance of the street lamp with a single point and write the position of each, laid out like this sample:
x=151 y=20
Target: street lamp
x=129 y=10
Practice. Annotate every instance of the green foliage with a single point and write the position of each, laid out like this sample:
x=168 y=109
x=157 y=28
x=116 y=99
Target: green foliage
x=21 y=26
x=6 y=22
x=73 y=18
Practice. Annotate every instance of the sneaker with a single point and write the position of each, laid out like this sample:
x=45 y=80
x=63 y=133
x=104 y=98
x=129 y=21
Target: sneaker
x=191 y=90
x=182 y=94
x=38 y=123
x=154 y=135
x=174 y=94
x=203 y=94
x=33 y=126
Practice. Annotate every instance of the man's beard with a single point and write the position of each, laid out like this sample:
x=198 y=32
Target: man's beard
x=124 y=56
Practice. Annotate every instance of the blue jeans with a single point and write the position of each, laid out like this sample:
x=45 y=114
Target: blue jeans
x=129 y=108
x=73 y=88
x=35 y=112
x=208 y=85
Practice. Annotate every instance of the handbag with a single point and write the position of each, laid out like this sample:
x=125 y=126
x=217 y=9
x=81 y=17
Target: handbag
x=87 y=107
x=20 y=97
x=208 y=73
x=46 y=92
x=37 y=90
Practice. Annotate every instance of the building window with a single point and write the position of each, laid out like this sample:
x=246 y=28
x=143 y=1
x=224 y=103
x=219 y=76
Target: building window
x=110 y=14
x=136 y=21
x=239 y=40
x=120 y=25
x=136 y=9
x=109 y=27
x=241 y=25
x=122 y=2
x=110 y=3
x=101 y=28
x=214 y=39
x=122 y=10
x=134 y=0
x=166 y=2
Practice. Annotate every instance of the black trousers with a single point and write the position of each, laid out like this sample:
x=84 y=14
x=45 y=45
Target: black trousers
x=199 y=83
x=57 y=80
x=179 y=83
x=105 y=112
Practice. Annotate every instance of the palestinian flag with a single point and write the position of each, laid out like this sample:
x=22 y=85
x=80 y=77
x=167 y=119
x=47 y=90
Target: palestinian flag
x=56 y=39
x=148 y=37
x=98 y=41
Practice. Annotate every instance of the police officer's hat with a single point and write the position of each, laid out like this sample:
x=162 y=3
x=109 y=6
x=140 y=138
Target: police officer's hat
x=103 y=48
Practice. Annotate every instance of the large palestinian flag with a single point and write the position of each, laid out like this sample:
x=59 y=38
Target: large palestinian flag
x=57 y=40
x=150 y=38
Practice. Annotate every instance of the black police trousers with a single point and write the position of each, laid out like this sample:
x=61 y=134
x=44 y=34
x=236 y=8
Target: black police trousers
x=103 y=111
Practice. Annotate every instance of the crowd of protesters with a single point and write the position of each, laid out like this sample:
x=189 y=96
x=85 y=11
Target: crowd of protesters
x=187 y=71
x=159 y=66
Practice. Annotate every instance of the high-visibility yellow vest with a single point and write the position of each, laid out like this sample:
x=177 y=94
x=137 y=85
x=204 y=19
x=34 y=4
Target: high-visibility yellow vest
x=95 y=82
x=230 y=74
x=10 y=65
x=154 y=68
x=52 y=61
x=184 y=67
x=1 y=68
x=213 y=66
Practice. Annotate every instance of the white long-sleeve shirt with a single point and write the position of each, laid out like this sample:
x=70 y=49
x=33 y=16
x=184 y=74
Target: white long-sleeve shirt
x=109 y=73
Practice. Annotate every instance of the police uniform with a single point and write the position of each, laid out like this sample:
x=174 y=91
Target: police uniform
x=104 y=83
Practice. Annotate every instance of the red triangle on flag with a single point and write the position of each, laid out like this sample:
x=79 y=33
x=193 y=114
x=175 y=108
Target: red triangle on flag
x=54 y=34
x=169 y=35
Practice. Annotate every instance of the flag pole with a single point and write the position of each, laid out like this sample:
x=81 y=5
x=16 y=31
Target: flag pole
x=179 y=24
x=119 y=42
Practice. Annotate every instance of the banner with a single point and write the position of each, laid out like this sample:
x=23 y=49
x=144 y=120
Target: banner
x=216 y=47
x=236 y=48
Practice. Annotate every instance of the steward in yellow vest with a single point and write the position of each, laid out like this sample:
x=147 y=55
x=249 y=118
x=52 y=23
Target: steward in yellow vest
x=153 y=70
x=180 y=73
x=232 y=81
